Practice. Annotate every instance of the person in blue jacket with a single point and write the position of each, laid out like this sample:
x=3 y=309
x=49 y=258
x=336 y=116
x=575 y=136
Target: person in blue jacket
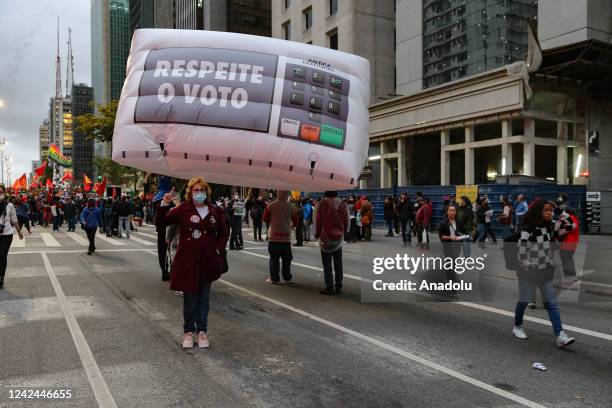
x=91 y=219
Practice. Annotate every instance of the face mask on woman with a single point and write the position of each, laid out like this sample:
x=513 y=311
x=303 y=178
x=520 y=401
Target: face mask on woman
x=199 y=197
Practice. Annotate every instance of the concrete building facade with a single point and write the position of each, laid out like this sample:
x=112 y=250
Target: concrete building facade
x=83 y=151
x=238 y=16
x=43 y=140
x=151 y=14
x=364 y=28
x=60 y=124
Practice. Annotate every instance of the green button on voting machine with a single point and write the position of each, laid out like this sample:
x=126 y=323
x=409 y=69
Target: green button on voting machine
x=332 y=136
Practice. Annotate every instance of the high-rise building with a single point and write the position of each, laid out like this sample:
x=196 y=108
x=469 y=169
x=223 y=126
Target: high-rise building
x=238 y=16
x=439 y=41
x=43 y=140
x=364 y=28
x=60 y=124
x=83 y=150
x=151 y=14
x=110 y=45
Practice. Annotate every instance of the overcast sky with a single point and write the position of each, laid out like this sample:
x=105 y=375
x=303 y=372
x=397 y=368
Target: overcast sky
x=27 y=67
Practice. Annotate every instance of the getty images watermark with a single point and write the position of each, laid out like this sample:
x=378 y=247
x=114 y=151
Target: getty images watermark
x=453 y=268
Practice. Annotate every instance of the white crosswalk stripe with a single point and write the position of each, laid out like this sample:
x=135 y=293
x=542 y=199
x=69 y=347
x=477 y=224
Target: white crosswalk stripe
x=144 y=234
x=49 y=240
x=141 y=241
x=78 y=238
x=110 y=240
x=18 y=243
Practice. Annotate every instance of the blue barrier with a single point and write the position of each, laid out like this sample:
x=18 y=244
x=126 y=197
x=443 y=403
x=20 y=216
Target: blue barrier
x=438 y=195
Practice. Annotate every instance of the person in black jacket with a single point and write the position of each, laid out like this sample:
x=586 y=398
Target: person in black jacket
x=70 y=214
x=404 y=212
x=451 y=234
x=124 y=209
x=389 y=214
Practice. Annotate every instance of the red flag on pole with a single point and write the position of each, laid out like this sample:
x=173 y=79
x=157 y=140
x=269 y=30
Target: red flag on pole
x=86 y=183
x=49 y=183
x=67 y=175
x=16 y=186
x=41 y=170
x=23 y=182
x=101 y=188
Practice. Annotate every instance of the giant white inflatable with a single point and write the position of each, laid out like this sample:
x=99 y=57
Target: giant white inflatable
x=243 y=110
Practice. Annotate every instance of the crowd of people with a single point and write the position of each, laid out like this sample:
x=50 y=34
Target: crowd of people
x=193 y=230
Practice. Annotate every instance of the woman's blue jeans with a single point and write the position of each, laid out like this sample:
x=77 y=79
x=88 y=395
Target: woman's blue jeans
x=527 y=292
x=195 y=309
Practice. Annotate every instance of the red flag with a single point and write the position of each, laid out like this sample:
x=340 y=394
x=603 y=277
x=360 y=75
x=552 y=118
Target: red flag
x=23 y=182
x=49 y=183
x=67 y=175
x=41 y=170
x=86 y=183
x=33 y=185
x=101 y=187
x=114 y=193
x=16 y=185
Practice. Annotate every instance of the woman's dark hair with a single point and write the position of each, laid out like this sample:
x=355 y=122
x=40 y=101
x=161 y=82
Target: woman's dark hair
x=466 y=200
x=533 y=217
x=451 y=205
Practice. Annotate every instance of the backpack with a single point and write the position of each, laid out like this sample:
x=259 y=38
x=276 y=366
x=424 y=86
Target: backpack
x=511 y=251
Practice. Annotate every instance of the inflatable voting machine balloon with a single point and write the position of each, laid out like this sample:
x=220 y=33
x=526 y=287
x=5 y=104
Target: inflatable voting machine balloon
x=243 y=110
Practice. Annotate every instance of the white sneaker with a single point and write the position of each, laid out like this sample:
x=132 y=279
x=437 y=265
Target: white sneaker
x=178 y=293
x=203 y=340
x=519 y=332
x=188 y=340
x=563 y=340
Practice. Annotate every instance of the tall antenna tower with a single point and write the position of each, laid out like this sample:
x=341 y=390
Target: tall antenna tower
x=58 y=67
x=69 y=65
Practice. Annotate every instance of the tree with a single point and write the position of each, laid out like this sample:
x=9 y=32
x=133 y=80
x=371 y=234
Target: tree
x=116 y=173
x=99 y=126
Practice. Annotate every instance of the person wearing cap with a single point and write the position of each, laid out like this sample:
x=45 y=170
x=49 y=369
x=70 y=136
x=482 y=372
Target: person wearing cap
x=91 y=219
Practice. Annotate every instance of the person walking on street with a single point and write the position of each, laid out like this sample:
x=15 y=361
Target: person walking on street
x=199 y=259
x=367 y=215
x=567 y=228
x=451 y=233
x=23 y=214
x=520 y=209
x=331 y=223
x=124 y=210
x=465 y=215
x=70 y=214
x=505 y=218
x=298 y=221
x=278 y=215
x=256 y=214
x=489 y=220
x=351 y=235
x=8 y=226
x=108 y=217
x=404 y=212
x=91 y=219
x=307 y=209
x=422 y=220
x=236 y=211
x=56 y=214
x=536 y=269
x=389 y=215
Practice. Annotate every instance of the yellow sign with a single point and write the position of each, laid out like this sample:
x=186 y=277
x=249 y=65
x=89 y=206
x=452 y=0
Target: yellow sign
x=295 y=195
x=471 y=191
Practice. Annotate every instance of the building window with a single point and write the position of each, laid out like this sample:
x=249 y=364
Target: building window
x=307 y=18
x=287 y=30
x=333 y=7
x=333 y=39
x=287 y=3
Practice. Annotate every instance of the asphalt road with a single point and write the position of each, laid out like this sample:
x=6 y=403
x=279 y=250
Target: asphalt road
x=106 y=328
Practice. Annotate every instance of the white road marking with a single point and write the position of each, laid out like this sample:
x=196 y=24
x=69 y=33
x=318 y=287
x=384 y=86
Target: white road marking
x=79 y=251
x=94 y=375
x=78 y=238
x=393 y=349
x=49 y=239
x=140 y=241
x=111 y=241
x=18 y=243
x=145 y=234
x=592 y=333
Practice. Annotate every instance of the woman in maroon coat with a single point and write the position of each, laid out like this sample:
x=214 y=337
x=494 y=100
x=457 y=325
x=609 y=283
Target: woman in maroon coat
x=198 y=260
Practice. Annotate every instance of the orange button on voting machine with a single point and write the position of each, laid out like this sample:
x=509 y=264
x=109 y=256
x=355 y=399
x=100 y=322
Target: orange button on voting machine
x=310 y=133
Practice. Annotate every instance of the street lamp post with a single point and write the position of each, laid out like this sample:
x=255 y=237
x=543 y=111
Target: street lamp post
x=2 y=147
